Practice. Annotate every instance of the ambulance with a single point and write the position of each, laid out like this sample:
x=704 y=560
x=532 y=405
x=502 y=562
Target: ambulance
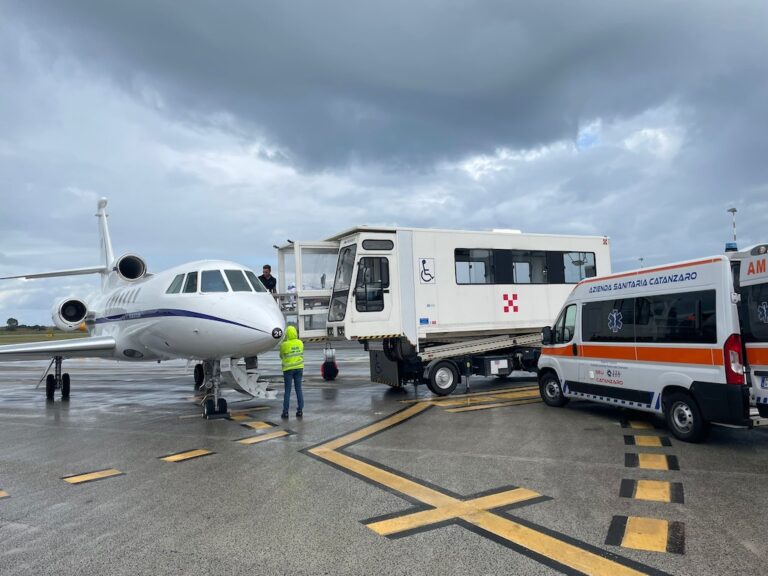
x=687 y=341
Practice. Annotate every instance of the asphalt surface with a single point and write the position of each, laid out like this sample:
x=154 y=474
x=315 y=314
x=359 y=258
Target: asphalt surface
x=273 y=508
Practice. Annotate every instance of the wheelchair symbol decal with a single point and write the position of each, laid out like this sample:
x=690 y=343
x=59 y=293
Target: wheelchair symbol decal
x=427 y=270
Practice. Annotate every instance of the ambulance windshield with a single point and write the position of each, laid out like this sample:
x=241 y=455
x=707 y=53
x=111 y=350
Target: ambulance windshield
x=342 y=283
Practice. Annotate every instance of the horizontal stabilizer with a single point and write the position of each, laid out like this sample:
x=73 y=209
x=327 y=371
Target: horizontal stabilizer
x=72 y=272
x=97 y=347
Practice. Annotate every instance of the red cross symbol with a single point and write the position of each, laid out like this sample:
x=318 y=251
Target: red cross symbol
x=510 y=303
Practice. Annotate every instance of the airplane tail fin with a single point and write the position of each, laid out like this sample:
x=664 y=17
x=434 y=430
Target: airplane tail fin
x=107 y=255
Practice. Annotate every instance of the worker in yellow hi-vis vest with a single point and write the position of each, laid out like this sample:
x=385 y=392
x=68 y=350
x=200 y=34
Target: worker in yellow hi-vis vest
x=292 y=355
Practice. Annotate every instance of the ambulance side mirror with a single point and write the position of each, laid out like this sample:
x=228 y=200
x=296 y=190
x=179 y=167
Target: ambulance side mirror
x=546 y=335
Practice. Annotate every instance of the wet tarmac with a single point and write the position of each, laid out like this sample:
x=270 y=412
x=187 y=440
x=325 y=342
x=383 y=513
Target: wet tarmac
x=127 y=478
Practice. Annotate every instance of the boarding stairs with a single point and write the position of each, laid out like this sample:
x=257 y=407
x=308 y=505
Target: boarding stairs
x=245 y=380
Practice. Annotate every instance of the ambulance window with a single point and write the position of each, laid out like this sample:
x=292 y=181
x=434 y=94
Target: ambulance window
x=237 y=281
x=372 y=280
x=755 y=299
x=175 y=286
x=473 y=266
x=190 y=286
x=688 y=317
x=608 y=321
x=565 y=325
x=213 y=281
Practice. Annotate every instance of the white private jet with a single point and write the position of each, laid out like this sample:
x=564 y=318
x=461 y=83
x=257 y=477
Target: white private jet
x=213 y=312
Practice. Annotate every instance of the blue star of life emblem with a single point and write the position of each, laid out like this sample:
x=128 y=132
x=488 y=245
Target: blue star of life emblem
x=762 y=312
x=614 y=321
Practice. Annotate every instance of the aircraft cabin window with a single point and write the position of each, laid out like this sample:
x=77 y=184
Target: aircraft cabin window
x=213 y=281
x=237 y=281
x=175 y=286
x=190 y=287
x=255 y=282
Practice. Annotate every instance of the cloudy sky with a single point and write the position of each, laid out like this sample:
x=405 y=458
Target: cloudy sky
x=217 y=129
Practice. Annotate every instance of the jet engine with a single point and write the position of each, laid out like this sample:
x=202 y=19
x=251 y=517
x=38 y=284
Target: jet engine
x=69 y=313
x=131 y=267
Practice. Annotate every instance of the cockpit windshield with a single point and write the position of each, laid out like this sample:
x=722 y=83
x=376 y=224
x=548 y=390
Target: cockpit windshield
x=342 y=283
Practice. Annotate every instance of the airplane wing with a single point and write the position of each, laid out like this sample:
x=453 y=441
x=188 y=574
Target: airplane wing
x=73 y=272
x=97 y=347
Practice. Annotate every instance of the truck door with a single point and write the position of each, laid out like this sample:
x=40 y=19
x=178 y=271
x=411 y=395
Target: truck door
x=372 y=295
x=754 y=329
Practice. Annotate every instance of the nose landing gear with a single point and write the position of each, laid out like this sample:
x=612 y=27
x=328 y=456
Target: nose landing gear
x=214 y=406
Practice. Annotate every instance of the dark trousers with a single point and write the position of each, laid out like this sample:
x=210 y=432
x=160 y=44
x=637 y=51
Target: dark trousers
x=295 y=377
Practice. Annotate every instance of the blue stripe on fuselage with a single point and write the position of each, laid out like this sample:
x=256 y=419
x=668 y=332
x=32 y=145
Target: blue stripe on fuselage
x=168 y=312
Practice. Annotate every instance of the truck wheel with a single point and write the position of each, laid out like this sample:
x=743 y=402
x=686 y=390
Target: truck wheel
x=551 y=391
x=684 y=418
x=443 y=378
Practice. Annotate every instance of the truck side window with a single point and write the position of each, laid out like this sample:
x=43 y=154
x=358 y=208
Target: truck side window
x=565 y=325
x=372 y=279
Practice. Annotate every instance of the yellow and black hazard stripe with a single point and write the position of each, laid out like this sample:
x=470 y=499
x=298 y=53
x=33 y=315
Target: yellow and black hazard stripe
x=375 y=337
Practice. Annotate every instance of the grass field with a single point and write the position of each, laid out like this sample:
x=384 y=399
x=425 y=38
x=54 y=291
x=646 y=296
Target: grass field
x=22 y=335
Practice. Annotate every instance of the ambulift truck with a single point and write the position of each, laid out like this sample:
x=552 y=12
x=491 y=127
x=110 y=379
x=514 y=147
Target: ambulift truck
x=435 y=305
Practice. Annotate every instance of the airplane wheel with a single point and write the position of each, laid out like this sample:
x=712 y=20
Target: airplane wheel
x=65 y=386
x=199 y=376
x=209 y=408
x=222 y=407
x=50 y=386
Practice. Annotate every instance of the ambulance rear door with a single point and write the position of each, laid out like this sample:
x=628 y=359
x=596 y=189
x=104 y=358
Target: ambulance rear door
x=753 y=281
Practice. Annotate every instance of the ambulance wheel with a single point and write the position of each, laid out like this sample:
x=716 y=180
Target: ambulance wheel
x=684 y=418
x=443 y=378
x=50 y=386
x=199 y=376
x=763 y=410
x=551 y=391
x=65 y=386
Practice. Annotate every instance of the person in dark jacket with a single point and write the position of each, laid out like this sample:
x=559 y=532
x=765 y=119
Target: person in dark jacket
x=269 y=281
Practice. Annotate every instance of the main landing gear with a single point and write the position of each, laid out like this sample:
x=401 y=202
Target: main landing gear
x=56 y=381
x=214 y=406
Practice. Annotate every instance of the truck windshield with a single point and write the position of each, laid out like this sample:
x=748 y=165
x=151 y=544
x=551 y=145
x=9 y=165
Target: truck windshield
x=342 y=283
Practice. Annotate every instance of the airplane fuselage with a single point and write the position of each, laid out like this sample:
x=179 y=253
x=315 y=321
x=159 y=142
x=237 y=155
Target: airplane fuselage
x=149 y=323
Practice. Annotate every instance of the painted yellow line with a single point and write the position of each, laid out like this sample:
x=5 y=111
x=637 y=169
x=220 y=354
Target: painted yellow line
x=471 y=394
x=494 y=405
x=640 y=425
x=550 y=547
x=487 y=398
x=471 y=511
x=248 y=410
x=188 y=455
x=655 y=490
x=263 y=437
x=653 y=461
x=258 y=425
x=4 y=494
x=90 y=476
x=457 y=509
x=373 y=428
x=518 y=394
x=646 y=534
x=648 y=441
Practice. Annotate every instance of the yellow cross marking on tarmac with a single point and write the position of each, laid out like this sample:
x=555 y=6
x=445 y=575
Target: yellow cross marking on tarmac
x=476 y=511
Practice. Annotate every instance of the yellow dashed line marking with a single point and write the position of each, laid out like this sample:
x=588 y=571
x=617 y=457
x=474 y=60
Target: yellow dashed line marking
x=473 y=511
x=648 y=441
x=91 y=476
x=258 y=425
x=3 y=494
x=263 y=437
x=655 y=490
x=653 y=461
x=640 y=425
x=646 y=534
x=239 y=417
x=188 y=455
